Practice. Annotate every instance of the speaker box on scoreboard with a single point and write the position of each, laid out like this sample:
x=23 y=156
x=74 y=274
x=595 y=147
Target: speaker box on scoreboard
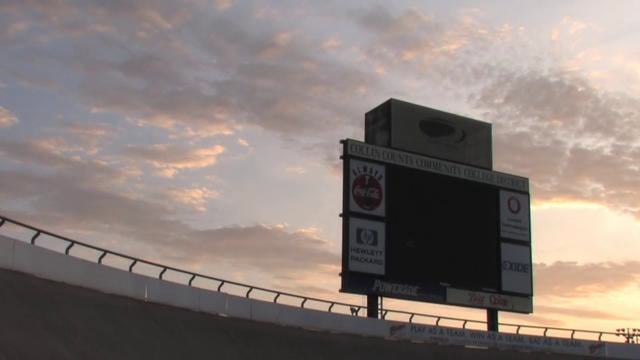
x=405 y=126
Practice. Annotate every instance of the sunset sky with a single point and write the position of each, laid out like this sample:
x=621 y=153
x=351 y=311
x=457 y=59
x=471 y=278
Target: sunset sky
x=205 y=133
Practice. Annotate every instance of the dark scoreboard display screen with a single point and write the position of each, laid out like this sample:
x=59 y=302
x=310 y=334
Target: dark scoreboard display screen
x=441 y=229
x=425 y=229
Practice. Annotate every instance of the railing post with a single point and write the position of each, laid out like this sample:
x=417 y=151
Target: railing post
x=35 y=236
x=372 y=306
x=66 y=251
x=492 y=320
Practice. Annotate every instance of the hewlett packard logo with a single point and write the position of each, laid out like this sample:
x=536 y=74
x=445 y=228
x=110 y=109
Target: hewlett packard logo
x=366 y=237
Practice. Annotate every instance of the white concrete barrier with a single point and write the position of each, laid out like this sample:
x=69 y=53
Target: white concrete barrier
x=55 y=266
x=6 y=252
x=24 y=257
x=211 y=302
x=623 y=351
x=238 y=307
x=178 y=295
x=317 y=319
x=115 y=281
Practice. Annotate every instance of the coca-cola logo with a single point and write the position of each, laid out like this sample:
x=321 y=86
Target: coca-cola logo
x=367 y=192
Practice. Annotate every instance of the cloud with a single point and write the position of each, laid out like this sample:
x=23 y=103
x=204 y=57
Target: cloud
x=295 y=170
x=216 y=73
x=7 y=118
x=93 y=130
x=170 y=159
x=87 y=138
x=331 y=43
x=270 y=249
x=577 y=143
x=570 y=279
x=73 y=202
x=413 y=41
x=49 y=155
x=223 y=5
x=105 y=200
x=196 y=197
x=46 y=152
x=577 y=312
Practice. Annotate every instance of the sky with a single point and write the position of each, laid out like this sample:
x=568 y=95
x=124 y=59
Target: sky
x=205 y=134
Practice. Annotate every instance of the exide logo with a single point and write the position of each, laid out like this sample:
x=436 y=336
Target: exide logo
x=515 y=267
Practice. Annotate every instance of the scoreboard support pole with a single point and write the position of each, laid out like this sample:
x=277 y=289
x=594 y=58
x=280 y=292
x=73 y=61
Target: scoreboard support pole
x=372 y=306
x=492 y=320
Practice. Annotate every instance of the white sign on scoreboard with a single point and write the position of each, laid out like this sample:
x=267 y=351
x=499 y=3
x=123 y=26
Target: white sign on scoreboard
x=514 y=216
x=367 y=187
x=366 y=246
x=516 y=268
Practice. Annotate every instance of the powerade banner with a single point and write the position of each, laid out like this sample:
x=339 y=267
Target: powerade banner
x=425 y=229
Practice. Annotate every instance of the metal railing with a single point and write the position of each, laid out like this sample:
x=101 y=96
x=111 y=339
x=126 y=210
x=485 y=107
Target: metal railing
x=330 y=305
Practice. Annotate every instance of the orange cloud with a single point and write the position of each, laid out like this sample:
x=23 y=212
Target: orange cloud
x=570 y=279
x=223 y=5
x=331 y=43
x=170 y=159
x=196 y=197
x=7 y=118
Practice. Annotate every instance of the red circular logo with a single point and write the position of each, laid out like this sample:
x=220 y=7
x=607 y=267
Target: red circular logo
x=513 y=204
x=367 y=192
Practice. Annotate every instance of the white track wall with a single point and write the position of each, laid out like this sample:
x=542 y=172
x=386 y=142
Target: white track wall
x=47 y=264
x=43 y=263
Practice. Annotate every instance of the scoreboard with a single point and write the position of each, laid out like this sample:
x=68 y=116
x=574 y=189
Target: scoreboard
x=426 y=229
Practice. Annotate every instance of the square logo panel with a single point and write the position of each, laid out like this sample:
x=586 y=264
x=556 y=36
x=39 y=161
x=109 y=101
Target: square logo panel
x=366 y=246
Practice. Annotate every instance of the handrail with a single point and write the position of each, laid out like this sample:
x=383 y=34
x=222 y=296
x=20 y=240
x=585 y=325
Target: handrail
x=355 y=309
